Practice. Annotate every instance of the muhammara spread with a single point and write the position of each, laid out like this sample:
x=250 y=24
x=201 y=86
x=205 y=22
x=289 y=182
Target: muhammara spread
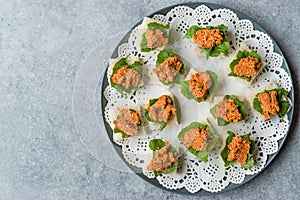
x=269 y=103
x=163 y=159
x=239 y=149
x=200 y=84
x=168 y=70
x=206 y=38
x=196 y=138
x=128 y=122
x=228 y=111
x=162 y=110
x=156 y=38
x=247 y=66
x=127 y=77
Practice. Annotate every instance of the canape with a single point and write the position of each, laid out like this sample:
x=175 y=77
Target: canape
x=210 y=40
x=247 y=64
x=199 y=139
x=169 y=67
x=165 y=157
x=200 y=86
x=271 y=101
x=230 y=109
x=160 y=112
x=156 y=35
x=127 y=75
x=238 y=149
x=128 y=122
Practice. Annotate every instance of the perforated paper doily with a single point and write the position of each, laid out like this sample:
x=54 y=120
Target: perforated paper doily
x=193 y=174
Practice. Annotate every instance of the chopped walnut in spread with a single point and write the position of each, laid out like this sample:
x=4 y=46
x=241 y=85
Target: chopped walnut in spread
x=162 y=110
x=247 y=66
x=200 y=84
x=127 y=77
x=228 y=111
x=239 y=149
x=128 y=122
x=168 y=70
x=269 y=103
x=206 y=38
x=156 y=38
x=196 y=138
x=163 y=159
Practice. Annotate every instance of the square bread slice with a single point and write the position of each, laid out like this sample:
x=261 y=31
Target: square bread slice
x=114 y=114
x=130 y=60
x=269 y=86
x=143 y=28
x=243 y=47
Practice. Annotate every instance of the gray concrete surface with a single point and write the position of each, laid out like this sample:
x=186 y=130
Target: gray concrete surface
x=43 y=43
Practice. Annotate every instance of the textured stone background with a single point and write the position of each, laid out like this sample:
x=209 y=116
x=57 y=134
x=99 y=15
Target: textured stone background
x=42 y=45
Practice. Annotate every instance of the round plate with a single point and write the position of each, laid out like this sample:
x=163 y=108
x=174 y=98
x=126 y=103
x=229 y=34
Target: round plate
x=105 y=83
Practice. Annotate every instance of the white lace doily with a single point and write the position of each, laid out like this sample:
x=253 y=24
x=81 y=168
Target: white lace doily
x=193 y=174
